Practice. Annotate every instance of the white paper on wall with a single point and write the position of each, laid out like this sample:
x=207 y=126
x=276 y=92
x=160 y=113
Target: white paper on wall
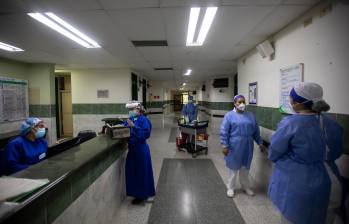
x=13 y=99
x=289 y=77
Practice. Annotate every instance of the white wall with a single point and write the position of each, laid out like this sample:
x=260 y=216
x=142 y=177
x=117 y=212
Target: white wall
x=156 y=89
x=85 y=84
x=213 y=94
x=323 y=47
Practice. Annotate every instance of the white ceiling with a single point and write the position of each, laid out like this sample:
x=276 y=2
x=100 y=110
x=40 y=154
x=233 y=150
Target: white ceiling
x=239 y=25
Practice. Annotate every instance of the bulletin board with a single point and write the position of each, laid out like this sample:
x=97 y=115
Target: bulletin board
x=252 y=93
x=289 y=77
x=14 y=103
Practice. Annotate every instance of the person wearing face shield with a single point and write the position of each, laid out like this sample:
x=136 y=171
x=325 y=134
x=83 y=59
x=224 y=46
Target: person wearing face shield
x=139 y=171
x=27 y=149
x=305 y=181
x=189 y=110
x=238 y=131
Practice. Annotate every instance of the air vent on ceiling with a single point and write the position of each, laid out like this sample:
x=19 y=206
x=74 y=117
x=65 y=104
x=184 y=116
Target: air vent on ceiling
x=149 y=43
x=163 y=69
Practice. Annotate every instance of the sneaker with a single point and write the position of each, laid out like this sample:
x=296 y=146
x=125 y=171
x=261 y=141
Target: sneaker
x=230 y=193
x=249 y=192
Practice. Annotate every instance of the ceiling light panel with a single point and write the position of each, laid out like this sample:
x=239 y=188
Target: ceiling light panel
x=8 y=47
x=54 y=22
x=205 y=25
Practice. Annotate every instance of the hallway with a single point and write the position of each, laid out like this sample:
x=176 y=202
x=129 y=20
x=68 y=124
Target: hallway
x=253 y=210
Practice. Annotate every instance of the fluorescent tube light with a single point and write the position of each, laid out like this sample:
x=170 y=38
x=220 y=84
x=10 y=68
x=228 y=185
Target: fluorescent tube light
x=93 y=43
x=188 y=72
x=8 y=47
x=184 y=84
x=193 y=20
x=206 y=24
x=67 y=30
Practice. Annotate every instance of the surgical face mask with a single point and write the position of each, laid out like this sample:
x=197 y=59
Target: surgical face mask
x=132 y=114
x=40 y=133
x=241 y=107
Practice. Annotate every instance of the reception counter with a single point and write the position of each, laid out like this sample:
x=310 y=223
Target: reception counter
x=87 y=185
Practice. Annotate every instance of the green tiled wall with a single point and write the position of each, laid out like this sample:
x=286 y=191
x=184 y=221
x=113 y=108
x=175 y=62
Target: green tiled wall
x=158 y=104
x=216 y=105
x=269 y=117
x=51 y=204
x=103 y=108
x=42 y=110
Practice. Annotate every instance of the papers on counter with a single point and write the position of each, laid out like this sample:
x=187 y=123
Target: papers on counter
x=11 y=187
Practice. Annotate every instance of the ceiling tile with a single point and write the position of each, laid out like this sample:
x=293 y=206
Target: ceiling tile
x=140 y=24
x=251 y=2
x=155 y=53
x=301 y=2
x=191 y=3
x=122 y=4
x=61 y=5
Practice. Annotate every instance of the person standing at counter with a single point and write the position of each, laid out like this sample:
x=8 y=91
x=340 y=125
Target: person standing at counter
x=238 y=130
x=27 y=149
x=139 y=171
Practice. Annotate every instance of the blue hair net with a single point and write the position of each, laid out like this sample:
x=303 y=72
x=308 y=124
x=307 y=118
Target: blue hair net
x=190 y=98
x=237 y=97
x=28 y=124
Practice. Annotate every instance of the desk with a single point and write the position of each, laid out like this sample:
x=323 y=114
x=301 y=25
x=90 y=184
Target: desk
x=72 y=174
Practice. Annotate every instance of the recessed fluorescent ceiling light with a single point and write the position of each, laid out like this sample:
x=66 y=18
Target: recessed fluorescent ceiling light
x=64 y=28
x=205 y=26
x=188 y=72
x=8 y=47
x=184 y=84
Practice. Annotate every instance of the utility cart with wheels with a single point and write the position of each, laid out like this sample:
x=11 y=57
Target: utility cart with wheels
x=194 y=133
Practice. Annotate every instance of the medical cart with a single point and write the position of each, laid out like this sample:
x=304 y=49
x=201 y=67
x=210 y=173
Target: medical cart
x=193 y=130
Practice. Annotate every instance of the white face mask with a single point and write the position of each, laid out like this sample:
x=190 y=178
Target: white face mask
x=241 y=107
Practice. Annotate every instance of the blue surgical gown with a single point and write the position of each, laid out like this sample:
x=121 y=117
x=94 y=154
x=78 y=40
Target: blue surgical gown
x=190 y=111
x=238 y=130
x=139 y=171
x=300 y=186
x=20 y=153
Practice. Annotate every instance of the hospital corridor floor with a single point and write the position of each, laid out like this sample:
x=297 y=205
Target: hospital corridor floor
x=193 y=190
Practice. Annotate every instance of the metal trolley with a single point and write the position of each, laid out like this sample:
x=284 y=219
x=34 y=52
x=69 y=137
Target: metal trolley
x=193 y=130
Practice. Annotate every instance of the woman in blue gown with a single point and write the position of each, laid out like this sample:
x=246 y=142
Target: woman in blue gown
x=238 y=131
x=27 y=149
x=304 y=182
x=139 y=172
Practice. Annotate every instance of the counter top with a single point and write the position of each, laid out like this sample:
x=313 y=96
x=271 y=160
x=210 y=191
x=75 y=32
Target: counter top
x=58 y=168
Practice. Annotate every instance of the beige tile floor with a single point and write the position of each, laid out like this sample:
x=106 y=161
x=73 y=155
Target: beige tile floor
x=254 y=210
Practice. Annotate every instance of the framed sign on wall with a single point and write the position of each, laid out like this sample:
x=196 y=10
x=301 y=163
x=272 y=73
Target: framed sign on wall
x=252 y=93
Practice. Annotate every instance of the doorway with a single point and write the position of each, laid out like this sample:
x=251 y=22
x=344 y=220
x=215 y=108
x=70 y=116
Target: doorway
x=144 y=93
x=134 y=83
x=177 y=102
x=64 y=107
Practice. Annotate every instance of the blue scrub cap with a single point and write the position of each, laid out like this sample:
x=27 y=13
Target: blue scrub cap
x=28 y=124
x=300 y=99
x=190 y=98
x=237 y=97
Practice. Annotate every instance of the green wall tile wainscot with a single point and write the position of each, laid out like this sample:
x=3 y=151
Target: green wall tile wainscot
x=106 y=108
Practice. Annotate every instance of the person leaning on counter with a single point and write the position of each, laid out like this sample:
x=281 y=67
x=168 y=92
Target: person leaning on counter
x=27 y=149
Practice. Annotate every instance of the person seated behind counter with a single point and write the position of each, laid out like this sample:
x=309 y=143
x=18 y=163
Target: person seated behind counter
x=27 y=149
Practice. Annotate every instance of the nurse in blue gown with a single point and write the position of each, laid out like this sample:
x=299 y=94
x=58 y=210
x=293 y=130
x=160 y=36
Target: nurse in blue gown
x=189 y=110
x=27 y=149
x=238 y=131
x=304 y=184
x=139 y=171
